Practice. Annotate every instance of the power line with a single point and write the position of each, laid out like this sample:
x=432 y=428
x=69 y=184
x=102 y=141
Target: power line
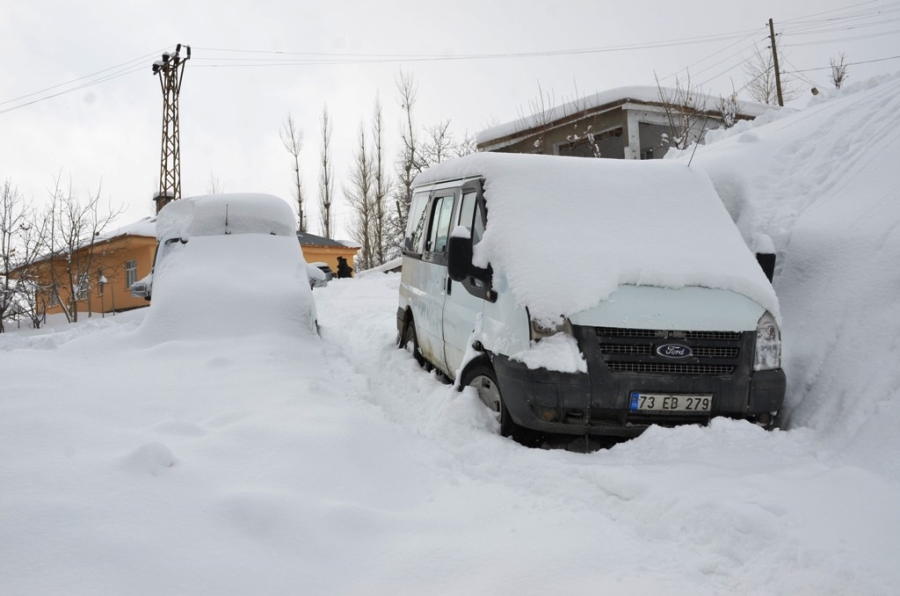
x=853 y=6
x=140 y=58
x=848 y=64
x=88 y=84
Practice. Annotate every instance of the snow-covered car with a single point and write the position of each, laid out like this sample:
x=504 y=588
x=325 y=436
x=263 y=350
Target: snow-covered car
x=324 y=268
x=588 y=296
x=317 y=277
x=229 y=262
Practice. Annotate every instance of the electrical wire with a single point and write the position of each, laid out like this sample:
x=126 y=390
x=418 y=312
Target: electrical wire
x=88 y=84
x=140 y=58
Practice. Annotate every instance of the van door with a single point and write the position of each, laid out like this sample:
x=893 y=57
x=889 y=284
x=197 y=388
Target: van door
x=432 y=279
x=463 y=305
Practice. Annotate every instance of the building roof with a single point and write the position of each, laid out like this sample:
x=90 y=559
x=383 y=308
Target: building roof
x=143 y=227
x=307 y=239
x=604 y=99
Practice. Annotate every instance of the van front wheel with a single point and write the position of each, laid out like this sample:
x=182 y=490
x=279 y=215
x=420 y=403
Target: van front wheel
x=481 y=376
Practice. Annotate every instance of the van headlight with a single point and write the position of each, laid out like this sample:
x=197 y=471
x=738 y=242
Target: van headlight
x=539 y=330
x=768 y=344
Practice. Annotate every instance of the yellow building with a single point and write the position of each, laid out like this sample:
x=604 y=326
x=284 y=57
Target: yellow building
x=318 y=249
x=97 y=277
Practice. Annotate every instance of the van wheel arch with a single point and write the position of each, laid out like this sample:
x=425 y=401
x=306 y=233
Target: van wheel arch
x=479 y=373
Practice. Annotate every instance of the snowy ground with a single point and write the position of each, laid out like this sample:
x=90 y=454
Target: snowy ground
x=278 y=465
x=273 y=463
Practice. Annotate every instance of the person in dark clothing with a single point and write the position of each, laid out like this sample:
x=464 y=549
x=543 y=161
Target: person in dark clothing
x=343 y=269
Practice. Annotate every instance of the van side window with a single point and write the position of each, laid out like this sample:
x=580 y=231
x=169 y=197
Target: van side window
x=441 y=213
x=471 y=216
x=415 y=229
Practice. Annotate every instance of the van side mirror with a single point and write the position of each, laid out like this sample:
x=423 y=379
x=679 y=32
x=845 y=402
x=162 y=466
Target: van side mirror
x=767 y=262
x=459 y=257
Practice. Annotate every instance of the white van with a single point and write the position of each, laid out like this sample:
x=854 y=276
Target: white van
x=588 y=296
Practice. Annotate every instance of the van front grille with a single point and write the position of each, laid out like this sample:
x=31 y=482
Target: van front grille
x=707 y=353
x=671 y=369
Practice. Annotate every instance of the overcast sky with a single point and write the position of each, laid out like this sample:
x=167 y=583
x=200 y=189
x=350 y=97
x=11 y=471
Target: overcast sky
x=342 y=54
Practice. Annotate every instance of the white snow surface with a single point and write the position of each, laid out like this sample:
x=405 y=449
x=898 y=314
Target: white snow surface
x=558 y=352
x=283 y=463
x=568 y=231
x=232 y=213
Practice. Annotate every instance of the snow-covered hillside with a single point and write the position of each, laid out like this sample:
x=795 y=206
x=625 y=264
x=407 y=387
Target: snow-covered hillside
x=824 y=185
x=132 y=463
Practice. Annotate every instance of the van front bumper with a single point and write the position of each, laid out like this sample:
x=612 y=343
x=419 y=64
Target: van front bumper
x=597 y=402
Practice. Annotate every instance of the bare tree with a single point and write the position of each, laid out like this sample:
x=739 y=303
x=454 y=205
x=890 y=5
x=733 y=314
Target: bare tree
x=761 y=83
x=839 y=72
x=467 y=145
x=326 y=176
x=409 y=164
x=685 y=112
x=438 y=144
x=72 y=229
x=381 y=185
x=213 y=187
x=292 y=137
x=17 y=252
x=360 y=197
x=729 y=107
x=540 y=115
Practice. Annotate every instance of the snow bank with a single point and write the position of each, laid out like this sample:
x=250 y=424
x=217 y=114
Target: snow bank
x=568 y=231
x=822 y=184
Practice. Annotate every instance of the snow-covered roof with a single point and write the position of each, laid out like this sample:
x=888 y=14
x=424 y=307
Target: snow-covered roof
x=145 y=226
x=641 y=94
x=307 y=239
x=568 y=231
x=234 y=213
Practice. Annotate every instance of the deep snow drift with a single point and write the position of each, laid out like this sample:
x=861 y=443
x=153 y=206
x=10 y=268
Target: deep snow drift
x=823 y=184
x=288 y=464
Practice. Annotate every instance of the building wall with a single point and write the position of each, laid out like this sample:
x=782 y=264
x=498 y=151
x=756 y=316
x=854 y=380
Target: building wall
x=108 y=259
x=571 y=138
x=329 y=255
x=626 y=131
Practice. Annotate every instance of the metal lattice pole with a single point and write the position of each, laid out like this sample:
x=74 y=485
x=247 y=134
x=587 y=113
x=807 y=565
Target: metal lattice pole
x=170 y=70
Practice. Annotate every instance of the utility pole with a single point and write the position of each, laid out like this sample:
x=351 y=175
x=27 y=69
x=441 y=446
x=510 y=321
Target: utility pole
x=775 y=57
x=170 y=70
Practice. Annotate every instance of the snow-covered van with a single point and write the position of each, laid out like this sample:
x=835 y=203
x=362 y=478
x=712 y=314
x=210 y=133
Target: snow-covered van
x=588 y=296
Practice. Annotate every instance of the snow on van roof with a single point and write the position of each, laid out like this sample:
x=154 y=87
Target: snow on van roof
x=568 y=231
x=234 y=213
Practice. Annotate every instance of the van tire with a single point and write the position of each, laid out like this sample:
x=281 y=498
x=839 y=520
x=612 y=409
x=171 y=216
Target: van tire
x=480 y=375
x=410 y=343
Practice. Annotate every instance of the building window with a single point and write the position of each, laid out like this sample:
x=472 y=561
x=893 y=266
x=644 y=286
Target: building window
x=54 y=295
x=101 y=282
x=130 y=273
x=81 y=291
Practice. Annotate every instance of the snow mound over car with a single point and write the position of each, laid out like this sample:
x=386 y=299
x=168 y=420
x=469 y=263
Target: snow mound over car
x=228 y=286
x=823 y=185
x=569 y=231
x=234 y=213
x=229 y=266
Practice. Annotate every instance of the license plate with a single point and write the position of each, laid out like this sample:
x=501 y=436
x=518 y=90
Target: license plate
x=665 y=402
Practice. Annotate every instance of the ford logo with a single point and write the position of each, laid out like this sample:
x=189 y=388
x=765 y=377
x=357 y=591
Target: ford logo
x=674 y=351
